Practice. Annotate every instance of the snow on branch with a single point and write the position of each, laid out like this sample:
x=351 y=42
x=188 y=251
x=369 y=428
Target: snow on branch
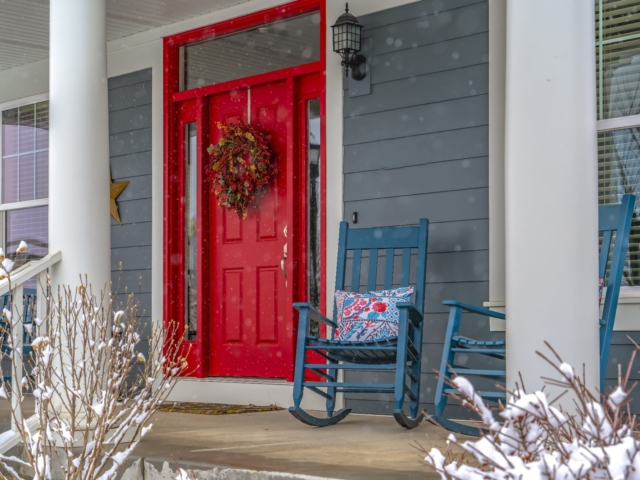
x=537 y=440
x=94 y=390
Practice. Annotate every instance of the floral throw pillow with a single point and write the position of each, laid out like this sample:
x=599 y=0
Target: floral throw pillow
x=370 y=315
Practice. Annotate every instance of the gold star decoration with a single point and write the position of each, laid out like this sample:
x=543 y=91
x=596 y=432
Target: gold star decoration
x=116 y=190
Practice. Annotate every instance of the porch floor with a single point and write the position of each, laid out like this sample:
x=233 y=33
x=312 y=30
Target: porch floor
x=363 y=447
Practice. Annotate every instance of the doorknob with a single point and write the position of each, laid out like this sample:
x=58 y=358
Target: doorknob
x=282 y=262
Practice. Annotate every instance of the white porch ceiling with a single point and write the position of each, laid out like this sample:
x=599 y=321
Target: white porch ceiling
x=24 y=24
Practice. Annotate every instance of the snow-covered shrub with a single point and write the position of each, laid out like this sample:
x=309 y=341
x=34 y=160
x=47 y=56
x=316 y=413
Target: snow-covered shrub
x=539 y=441
x=94 y=390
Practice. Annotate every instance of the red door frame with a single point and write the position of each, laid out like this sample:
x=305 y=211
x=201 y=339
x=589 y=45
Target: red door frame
x=197 y=351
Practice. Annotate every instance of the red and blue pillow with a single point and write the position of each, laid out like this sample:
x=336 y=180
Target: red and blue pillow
x=371 y=315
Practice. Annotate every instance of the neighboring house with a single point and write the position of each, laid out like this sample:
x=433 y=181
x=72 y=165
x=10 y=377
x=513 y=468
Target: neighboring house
x=481 y=115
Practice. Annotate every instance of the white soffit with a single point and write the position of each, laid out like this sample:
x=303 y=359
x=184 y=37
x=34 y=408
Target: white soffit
x=24 y=24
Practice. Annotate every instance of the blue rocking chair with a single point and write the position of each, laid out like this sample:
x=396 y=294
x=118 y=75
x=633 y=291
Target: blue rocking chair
x=400 y=355
x=612 y=219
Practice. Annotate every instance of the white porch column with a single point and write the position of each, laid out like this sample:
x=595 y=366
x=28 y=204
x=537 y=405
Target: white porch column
x=551 y=188
x=79 y=222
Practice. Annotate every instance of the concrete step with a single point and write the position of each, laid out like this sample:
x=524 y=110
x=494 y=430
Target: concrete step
x=160 y=469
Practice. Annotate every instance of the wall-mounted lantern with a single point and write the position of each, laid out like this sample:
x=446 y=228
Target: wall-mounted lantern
x=347 y=35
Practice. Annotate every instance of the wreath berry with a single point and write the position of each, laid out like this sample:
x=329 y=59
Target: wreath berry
x=241 y=167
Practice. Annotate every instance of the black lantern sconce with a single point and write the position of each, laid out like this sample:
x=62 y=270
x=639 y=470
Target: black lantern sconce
x=347 y=36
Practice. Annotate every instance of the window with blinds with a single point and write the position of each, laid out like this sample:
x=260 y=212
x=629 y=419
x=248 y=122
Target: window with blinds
x=24 y=213
x=618 y=97
x=25 y=153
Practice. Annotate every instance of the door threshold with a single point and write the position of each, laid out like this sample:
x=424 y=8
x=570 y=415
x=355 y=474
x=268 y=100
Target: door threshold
x=241 y=391
x=254 y=380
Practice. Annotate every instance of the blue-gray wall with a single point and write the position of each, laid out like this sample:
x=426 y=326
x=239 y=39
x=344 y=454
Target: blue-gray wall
x=130 y=158
x=417 y=146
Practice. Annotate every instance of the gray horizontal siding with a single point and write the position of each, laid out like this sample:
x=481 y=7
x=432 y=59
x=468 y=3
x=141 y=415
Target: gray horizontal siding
x=130 y=158
x=134 y=211
x=419 y=179
x=132 y=165
x=417 y=150
x=470 y=292
x=434 y=117
x=139 y=187
x=126 y=143
x=417 y=10
x=142 y=299
x=437 y=57
x=129 y=96
x=134 y=118
x=459 y=236
x=130 y=258
x=437 y=207
x=131 y=235
x=417 y=146
x=425 y=89
x=142 y=76
x=416 y=32
x=132 y=281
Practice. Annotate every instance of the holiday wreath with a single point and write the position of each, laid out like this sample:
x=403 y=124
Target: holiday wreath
x=241 y=166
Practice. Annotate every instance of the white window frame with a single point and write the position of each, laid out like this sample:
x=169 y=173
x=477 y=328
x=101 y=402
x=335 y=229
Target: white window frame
x=5 y=207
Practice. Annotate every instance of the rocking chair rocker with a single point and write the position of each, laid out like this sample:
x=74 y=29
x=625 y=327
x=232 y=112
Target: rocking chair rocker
x=400 y=355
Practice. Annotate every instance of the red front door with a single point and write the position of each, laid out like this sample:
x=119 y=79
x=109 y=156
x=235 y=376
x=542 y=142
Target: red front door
x=230 y=282
x=252 y=319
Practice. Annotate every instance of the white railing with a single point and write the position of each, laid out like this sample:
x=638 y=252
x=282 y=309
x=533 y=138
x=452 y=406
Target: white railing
x=39 y=269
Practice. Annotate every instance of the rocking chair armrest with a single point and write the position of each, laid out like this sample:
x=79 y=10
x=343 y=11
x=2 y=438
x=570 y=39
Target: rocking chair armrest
x=414 y=314
x=314 y=314
x=473 y=309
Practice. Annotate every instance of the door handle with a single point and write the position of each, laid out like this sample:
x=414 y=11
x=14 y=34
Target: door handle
x=282 y=262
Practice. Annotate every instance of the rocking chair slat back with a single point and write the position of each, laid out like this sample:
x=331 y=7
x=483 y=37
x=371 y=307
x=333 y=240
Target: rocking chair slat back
x=359 y=243
x=388 y=268
x=355 y=271
x=369 y=241
x=406 y=267
x=373 y=269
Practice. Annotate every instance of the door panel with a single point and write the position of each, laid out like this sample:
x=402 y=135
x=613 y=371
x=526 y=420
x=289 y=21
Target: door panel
x=232 y=317
x=252 y=322
x=267 y=304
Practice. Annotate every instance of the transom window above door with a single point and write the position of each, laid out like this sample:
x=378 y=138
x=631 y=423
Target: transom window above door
x=274 y=46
